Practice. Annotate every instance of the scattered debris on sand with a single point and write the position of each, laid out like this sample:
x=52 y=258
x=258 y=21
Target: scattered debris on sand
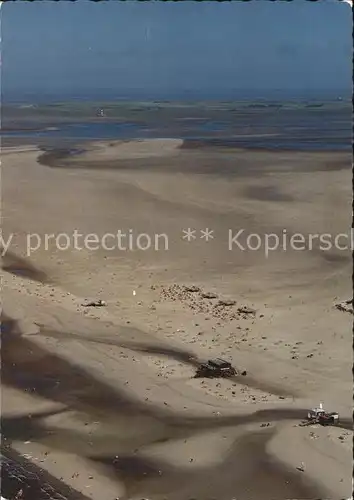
x=204 y=302
x=246 y=310
x=345 y=306
x=226 y=303
x=301 y=467
x=192 y=289
x=209 y=295
x=95 y=303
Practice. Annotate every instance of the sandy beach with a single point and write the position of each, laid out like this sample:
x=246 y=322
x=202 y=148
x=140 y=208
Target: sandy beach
x=103 y=398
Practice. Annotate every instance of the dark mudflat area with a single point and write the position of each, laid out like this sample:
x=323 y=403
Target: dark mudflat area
x=20 y=475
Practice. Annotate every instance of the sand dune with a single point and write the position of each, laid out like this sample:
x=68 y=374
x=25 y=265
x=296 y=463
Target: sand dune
x=104 y=398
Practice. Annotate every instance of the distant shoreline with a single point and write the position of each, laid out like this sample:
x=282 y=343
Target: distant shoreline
x=66 y=145
x=257 y=126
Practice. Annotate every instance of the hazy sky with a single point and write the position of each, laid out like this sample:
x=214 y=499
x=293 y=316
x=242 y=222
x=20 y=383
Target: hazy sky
x=161 y=48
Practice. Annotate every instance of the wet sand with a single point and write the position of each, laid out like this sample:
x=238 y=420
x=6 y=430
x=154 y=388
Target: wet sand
x=104 y=398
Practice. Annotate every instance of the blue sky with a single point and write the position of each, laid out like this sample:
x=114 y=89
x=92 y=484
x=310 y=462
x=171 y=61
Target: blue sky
x=162 y=49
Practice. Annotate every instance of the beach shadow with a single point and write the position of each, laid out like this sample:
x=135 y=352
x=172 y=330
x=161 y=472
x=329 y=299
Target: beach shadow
x=337 y=259
x=29 y=367
x=21 y=267
x=183 y=356
x=266 y=193
x=26 y=427
x=247 y=473
x=133 y=424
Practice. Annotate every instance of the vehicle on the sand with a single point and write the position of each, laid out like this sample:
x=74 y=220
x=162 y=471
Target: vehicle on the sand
x=320 y=416
x=215 y=368
x=315 y=412
x=328 y=418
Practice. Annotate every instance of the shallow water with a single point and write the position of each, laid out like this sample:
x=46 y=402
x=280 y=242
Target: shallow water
x=295 y=126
